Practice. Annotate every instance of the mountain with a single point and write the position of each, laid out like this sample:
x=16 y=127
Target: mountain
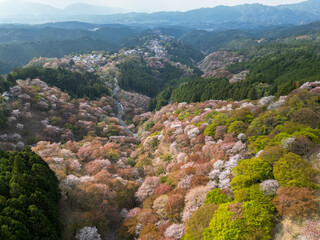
x=224 y=17
x=311 y=6
x=20 y=7
x=217 y=18
x=220 y=17
x=24 y=8
x=65 y=30
x=87 y=9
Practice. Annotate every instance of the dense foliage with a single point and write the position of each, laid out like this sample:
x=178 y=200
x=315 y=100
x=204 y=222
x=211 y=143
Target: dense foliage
x=17 y=54
x=77 y=85
x=239 y=164
x=200 y=89
x=28 y=197
x=274 y=69
x=240 y=221
x=215 y=196
x=6 y=83
x=135 y=75
x=4 y=112
x=199 y=220
x=243 y=39
x=181 y=52
x=213 y=41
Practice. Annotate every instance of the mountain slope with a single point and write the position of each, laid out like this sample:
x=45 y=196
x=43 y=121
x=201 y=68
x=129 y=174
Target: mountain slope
x=214 y=168
x=20 y=7
x=311 y=6
x=220 y=17
x=87 y=9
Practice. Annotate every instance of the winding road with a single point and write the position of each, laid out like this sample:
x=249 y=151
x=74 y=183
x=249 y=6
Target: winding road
x=119 y=107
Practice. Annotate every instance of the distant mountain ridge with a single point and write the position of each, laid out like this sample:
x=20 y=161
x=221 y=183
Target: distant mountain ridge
x=20 y=7
x=217 y=18
x=311 y=6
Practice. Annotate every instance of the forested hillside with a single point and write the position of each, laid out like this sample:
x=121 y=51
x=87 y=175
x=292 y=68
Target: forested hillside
x=230 y=170
x=271 y=69
x=29 y=197
x=135 y=75
x=77 y=85
x=45 y=48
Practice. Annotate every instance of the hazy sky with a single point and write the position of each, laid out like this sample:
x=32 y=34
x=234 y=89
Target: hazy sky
x=159 y=5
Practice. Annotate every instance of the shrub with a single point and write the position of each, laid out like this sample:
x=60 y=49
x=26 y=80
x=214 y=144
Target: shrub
x=147 y=216
x=190 y=170
x=143 y=161
x=148 y=125
x=199 y=180
x=249 y=172
x=306 y=116
x=220 y=132
x=208 y=118
x=254 y=193
x=236 y=221
x=166 y=157
x=174 y=207
x=210 y=130
x=263 y=124
x=131 y=162
x=88 y=233
x=269 y=187
x=159 y=204
x=127 y=229
x=112 y=154
x=199 y=220
x=222 y=226
x=301 y=98
x=171 y=181
x=295 y=202
x=292 y=170
x=259 y=143
x=162 y=189
x=301 y=145
x=157 y=127
x=312 y=134
x=256 y=222
x=243 y=115
x=147 y=188
x=311 y=230
x=183 y=140
x=148 y=203
x=55 y=120
x=194 y=199
x=272 y=154
x=215 y=196
x=150 y=232
x=183 y=115
x=219 y=119
x=237 y=127
x=174 y=231
x=185 y=182
x=163 y=179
